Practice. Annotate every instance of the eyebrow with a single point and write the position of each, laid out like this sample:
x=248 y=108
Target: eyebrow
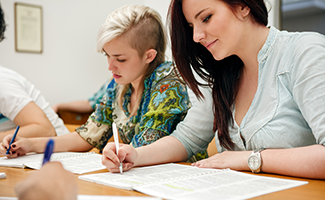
x=196 y=16
x=115 y=55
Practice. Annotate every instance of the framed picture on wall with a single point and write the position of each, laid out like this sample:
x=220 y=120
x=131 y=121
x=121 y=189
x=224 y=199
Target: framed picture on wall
x=28 y=28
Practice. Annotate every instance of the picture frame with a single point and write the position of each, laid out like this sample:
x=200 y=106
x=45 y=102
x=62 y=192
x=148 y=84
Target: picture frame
x=28 y=28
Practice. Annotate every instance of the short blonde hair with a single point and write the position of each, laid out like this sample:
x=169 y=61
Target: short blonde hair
x=144 y=25
x=143 y=29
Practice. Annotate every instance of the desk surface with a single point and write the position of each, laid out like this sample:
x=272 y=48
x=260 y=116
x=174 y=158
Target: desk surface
x=314 y=190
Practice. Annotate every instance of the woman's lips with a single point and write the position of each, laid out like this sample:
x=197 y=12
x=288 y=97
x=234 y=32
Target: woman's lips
x=116 y=76
x=209 y=45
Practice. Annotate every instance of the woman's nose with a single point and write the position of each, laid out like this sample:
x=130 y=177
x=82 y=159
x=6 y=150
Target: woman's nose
x=111 y=65
x=198 y=35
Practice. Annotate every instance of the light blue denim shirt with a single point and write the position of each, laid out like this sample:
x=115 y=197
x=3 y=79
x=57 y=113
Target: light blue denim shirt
x=288 y=109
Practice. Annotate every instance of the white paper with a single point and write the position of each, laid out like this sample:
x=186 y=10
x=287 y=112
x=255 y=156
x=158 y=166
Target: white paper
x=77 y=163
x=144 y=175
x=174 y=181
x=3 y=175
x=19 y=161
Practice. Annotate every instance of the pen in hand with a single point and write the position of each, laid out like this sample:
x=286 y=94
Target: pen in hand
x=48 y=151
x=116 y=141
x=12 y=139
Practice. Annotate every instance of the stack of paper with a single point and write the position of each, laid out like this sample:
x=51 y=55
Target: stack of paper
x=175 y=181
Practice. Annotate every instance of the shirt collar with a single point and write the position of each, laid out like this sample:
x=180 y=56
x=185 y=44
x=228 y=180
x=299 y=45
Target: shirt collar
x=268 y=45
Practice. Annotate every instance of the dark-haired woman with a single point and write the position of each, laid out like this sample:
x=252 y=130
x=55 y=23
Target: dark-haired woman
x=268 y=91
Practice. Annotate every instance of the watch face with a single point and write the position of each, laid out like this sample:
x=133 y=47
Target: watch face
x=254 y=162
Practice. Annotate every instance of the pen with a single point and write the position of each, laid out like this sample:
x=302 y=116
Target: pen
x=116 y=141
x=48 y=151
x=12 y=139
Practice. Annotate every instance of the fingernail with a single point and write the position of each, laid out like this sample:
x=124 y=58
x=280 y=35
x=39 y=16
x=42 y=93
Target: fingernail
x=13 y=145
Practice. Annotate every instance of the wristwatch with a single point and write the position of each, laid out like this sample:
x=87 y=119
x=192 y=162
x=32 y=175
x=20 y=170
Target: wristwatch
x=254 y=161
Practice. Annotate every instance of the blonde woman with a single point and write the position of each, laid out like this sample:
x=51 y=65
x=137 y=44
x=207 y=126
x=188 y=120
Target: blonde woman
x=146 y=99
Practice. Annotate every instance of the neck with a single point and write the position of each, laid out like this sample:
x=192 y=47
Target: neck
x=135 y=87
x=253 y=42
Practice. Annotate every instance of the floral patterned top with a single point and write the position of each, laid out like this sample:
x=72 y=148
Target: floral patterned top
x=164 y=104
x=97 y=97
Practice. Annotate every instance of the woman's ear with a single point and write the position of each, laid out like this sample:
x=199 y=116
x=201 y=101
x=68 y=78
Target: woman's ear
x=150 y=55
x=243 y=12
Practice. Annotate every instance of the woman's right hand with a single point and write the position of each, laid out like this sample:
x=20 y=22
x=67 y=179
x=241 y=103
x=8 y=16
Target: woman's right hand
x=19 y=147
x=127 y=155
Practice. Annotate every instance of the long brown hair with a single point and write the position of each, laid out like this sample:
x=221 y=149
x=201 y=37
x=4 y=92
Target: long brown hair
x=222 y=76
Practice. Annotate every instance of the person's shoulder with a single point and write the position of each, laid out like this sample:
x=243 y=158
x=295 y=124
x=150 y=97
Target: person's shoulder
x=298 y=46
x=167 y=71
x=304 y=39
x=164 y=68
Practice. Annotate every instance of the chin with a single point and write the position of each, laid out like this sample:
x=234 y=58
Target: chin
x=218 y=58
x=119 y=82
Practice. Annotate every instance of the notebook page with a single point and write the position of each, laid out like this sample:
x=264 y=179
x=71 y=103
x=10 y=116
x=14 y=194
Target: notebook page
x=145 y=175
x=19 y=161
x=174 y=181
x=77 y=163
x=226 y=185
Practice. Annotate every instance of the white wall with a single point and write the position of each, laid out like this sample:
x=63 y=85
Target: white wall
x=69 y=67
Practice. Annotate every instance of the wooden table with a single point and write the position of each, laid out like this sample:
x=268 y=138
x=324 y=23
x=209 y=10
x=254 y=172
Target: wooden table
x=314 y=190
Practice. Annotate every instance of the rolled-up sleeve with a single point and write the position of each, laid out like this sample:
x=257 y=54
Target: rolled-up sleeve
x=98 y=128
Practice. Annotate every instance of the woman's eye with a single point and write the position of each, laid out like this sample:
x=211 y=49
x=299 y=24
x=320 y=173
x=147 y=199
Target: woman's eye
x=104 y=53
x=119 y=60
x=207 y=18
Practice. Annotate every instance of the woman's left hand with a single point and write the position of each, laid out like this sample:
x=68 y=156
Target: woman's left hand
x=235 y=160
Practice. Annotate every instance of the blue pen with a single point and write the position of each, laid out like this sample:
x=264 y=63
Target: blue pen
x=12 y=139
x=48 y=151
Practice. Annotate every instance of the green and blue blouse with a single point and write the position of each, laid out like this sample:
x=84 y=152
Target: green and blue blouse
x=164 y=104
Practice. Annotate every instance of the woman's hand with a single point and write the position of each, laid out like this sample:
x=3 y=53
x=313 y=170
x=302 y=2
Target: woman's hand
x=19 y=147
x=236 y=160
x=127 y=155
